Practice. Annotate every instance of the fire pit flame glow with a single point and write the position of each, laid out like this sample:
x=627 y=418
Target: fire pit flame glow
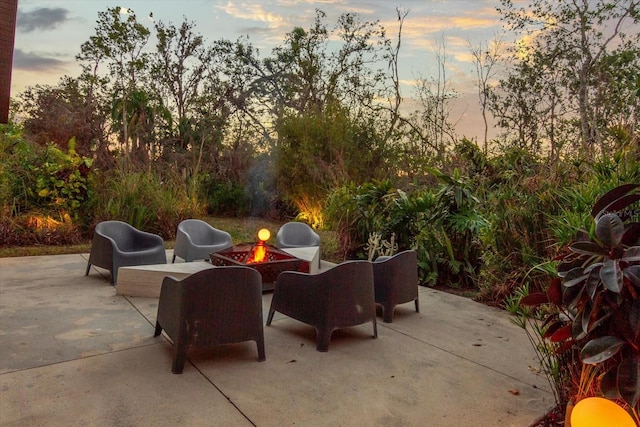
x=259 y=252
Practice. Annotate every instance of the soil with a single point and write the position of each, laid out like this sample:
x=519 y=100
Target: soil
x=555 y=418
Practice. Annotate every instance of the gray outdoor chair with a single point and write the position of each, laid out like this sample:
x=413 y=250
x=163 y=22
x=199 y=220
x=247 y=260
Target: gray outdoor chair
x=117 y=244
x=196 y=239
x=340 y=297
x=396 y=282
x=217 y=306
x=297 y=235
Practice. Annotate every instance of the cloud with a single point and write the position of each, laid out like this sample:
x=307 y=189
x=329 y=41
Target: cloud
x=34 y=62
x=254 y=12
x=43 y=18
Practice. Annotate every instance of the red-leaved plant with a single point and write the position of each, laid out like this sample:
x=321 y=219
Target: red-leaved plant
x=595 y=298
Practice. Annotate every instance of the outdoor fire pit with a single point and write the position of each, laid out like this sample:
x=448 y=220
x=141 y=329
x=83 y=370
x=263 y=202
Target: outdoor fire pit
x=268 y=260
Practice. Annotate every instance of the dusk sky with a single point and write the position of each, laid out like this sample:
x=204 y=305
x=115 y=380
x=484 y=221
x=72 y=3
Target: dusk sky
x=49 y=33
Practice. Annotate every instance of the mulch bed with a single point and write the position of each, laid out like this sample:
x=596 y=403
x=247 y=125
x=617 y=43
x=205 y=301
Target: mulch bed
x=554 y=418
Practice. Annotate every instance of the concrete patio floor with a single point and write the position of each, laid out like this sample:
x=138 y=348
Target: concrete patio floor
x=73 y=353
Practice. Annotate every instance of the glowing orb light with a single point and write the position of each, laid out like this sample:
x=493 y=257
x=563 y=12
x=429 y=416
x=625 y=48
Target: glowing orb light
x=600 y=412
x=264 y=234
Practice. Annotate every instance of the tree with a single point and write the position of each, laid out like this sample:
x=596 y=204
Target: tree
x=486 y=59
x=321 y=151
x=320 y=95
x=58 y=113
x=120 y=43
x=577 y=39
x=430 y=130
x=179 y=68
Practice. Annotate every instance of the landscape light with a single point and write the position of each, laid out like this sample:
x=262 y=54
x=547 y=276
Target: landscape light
x=600 y=412
x=264 y=234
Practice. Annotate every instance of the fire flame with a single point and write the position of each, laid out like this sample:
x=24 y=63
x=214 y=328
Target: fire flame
x=259 y=253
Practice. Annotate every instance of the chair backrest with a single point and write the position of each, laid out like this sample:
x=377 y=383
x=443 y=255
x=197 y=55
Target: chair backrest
x=120 y=232
x=351 y=291
x=223 y=305
x=294 y=234
x=200 y=232
x=341 y=296
x=397 y=274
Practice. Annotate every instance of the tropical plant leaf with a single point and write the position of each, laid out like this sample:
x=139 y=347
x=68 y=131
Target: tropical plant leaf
x=600 y=349
x=627 y=320
x=609 y=384
x=574 y=277
x=569 y=264
x=561 y=334
x=587 y=248
x=578 y=327
x=593 y=282
x=632 y=254
x=609 y=230
x=619 y=205
x=566 y=346
x=602 y=204
x=628 y=379
x=571 y=296
x=552 y=329
x=585 y=318
x=554 y=292
x=537 y=298
x=631 y=234
x=595 y=322
x=633 y=274
x=611 y=275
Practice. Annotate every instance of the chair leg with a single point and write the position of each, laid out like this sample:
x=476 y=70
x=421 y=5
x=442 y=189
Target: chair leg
x=174 y=259
x=387 y=313
x=158 y=330
x=270 y=316
x=375 y=328
x=86 y=273
x=179 y=359
x=323 y=338
x=260 y=343
x=417 y=305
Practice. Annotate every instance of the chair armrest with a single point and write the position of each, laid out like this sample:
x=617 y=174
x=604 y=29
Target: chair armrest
x=170 y=306
x=149 y=239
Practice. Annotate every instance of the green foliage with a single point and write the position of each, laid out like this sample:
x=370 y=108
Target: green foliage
x=558 y=367
x=148 y=200
x=577 y=78
x=442 y=226
x=226 y=199
x=16 y=178
x=318 y=152
x=456 y=223
x=595 y=298
x=46 y=180
x=62 y=181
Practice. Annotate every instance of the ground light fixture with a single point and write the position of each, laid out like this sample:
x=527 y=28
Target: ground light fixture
x=600 y=412
x=259 y=252
x=264 y=235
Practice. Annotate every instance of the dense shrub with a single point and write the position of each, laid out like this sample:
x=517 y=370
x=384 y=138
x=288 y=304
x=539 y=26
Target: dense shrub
x=442 y=225
x=148 y=200
x=226 y=199
x=45 y=193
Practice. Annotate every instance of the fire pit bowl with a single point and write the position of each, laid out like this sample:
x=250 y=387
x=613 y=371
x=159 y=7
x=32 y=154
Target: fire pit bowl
x=275 y=261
